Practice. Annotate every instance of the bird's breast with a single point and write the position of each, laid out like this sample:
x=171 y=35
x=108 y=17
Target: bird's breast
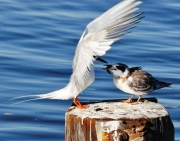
x=118 y=82
x=124 y=85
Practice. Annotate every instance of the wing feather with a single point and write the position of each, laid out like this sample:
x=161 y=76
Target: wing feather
x=98 y=37
x=118 y=12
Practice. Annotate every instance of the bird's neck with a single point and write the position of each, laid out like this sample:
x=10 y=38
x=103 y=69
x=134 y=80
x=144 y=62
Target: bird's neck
x=126 y=74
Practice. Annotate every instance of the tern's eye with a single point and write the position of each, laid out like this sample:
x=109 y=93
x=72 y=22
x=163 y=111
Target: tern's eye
x=122 y=68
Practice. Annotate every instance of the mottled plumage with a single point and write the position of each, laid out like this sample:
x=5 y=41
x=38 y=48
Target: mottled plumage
x=142 y=81
x=134 y=81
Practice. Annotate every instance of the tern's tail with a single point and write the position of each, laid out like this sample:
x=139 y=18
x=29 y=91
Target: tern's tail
x=62 y=94
x=160 y=84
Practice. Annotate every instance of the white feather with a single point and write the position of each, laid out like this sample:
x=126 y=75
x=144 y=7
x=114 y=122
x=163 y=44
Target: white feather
x=95 y=41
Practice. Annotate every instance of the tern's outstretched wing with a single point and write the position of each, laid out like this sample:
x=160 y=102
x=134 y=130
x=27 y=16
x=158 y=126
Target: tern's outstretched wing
x=97 y=38
x=95 y=41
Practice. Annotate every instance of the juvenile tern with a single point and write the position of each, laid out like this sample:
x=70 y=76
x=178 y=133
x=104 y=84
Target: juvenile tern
x=95 y=41
x=134 y=81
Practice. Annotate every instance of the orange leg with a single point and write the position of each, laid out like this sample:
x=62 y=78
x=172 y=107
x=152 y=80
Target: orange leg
x=78 y=104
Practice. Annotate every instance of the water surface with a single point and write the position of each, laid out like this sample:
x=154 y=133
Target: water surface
x=38 y=40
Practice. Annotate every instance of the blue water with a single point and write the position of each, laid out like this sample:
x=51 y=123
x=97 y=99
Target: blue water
x=37 y=44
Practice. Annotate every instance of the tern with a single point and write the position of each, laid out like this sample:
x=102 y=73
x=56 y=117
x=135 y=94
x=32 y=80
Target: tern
x=97 y=38
x=134 y=81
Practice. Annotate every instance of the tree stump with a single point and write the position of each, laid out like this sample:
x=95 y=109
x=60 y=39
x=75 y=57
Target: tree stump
x=117 y=121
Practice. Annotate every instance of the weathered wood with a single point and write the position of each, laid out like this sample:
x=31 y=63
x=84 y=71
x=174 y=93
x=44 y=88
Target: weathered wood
x=117 y=121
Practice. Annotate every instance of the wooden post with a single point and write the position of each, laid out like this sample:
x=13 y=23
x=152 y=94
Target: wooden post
x=117 y=121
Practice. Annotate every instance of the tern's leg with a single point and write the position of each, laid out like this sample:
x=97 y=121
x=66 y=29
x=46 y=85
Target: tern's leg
x=137 y=100
x=78 y=104
x=128 y=100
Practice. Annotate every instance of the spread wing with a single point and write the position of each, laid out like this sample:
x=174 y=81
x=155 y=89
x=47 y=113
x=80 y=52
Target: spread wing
x=97 y=38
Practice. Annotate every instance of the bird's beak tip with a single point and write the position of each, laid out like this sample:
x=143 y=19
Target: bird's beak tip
x=101 y=60
x=108 y=70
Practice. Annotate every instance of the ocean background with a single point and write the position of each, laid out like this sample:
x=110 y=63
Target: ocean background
x=37 y=45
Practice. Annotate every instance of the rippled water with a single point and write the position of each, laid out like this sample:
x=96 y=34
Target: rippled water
x=37 y=44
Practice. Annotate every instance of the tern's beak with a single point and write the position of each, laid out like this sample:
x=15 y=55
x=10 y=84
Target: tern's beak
x=99 y=59
x=109 y=68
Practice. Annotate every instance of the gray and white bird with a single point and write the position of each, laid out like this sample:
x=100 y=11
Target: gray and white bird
x=95 y=41
x=134 y=81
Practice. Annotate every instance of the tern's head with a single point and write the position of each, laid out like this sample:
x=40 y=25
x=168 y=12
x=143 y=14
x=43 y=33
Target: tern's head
x=118 y=69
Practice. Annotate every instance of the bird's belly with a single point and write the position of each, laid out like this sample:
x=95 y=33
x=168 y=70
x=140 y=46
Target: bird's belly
x=123 y=86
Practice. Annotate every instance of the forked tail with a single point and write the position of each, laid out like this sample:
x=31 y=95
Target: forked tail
x=27 y=98
x=62 y=94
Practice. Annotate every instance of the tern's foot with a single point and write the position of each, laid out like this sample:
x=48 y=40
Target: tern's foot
x=82 y=106
x=78 y=104
x=137 y=102
x=134 y=103
x=127 y=101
